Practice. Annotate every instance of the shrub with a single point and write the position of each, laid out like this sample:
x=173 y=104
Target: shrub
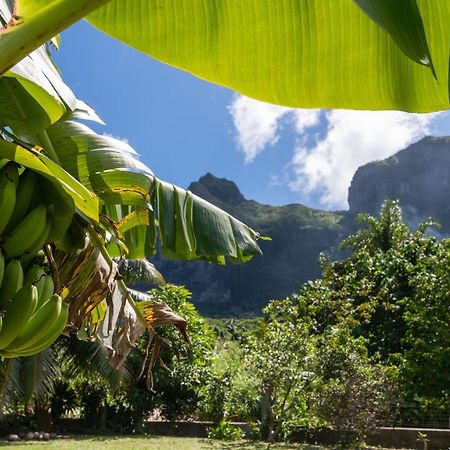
x=225 y=431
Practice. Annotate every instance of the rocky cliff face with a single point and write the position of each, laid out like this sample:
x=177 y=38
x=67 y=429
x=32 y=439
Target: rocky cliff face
x=419 y=177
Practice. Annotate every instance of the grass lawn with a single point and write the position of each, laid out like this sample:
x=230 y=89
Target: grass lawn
x=153 y=443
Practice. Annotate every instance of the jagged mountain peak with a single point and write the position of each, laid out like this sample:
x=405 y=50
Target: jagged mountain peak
x=217 y=190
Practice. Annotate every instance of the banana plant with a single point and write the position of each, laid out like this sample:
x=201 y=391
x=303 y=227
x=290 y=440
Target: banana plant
x=361 y=54
x=118 y=199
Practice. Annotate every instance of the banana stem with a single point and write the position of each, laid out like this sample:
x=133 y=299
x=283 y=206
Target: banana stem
x=28 y=33
x=53 y=266
x=45 y=141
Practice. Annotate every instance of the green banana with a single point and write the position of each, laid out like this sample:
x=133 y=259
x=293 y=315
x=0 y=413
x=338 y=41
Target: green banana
x=2 y=267
x=52 y=334
x=34 y=275
x=44 y=283
x=37 y=327
x=37 y=245
x=12 y=281
x=26 y=233
x=24 y=195
x=17 y=312
x=9 y=177
x=60 y=223
x=61 y=209
x=46 y=288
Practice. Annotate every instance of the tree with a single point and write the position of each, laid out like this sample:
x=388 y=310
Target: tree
x=392 y=290
x=281 y=354
x=354 y=395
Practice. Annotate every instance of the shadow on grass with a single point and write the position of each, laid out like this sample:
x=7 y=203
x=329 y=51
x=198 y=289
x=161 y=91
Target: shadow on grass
x=78 y=438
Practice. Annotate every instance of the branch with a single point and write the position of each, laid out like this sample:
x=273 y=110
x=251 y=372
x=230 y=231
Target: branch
x=29 y=33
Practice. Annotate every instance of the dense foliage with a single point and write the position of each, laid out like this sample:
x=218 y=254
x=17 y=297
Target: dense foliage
x=365 y=345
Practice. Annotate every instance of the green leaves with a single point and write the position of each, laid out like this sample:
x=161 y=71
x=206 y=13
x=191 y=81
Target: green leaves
x=25 y=107
x=32 y=94
x=141 y=204
x=402 y=20
x=191 y=228
x=107 y=166
x=299 y=53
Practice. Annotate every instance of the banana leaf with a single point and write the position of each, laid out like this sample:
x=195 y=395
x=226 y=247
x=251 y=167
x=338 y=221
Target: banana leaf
x=188 y=227
x=359 y=54
x=300 y=53
x=32 y=94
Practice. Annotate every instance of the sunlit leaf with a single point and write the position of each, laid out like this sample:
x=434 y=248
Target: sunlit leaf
x=300 y=53
x=189 y=227
x=402 y=20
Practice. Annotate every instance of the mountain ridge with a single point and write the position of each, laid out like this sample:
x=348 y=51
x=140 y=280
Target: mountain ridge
x=418 y=176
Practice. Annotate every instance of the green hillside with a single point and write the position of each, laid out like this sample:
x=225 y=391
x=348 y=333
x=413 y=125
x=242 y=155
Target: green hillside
x=298 y=235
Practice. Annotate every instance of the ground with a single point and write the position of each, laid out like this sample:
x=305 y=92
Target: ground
x=155 y=443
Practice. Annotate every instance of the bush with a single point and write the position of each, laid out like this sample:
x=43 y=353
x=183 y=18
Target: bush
x=225 y=431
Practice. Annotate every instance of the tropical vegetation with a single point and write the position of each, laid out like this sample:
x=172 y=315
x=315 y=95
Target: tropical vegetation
x=320 y=358
x=119 y=203
x=94 y=201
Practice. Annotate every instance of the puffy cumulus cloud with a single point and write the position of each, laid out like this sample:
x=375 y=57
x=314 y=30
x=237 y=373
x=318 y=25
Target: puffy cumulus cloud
x=323 y=164
x=351 y=139
x=118 y=138
x=257 y=124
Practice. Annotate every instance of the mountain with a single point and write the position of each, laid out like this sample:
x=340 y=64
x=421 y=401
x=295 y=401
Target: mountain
x=298 y=235
x=418 y=176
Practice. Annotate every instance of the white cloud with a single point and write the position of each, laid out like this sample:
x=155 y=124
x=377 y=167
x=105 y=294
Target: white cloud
x=352 y=139
x=324 y=164
x=256 y=123
x=118 y=138
x=306 y=118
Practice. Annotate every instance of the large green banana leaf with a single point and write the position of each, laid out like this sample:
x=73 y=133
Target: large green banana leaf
x=140 y=203
x=300 y=53
x=359 y=54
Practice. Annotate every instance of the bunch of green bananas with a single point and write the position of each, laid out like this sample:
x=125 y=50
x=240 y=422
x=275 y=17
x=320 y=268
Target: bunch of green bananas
x=34 y=212
x=32 y=316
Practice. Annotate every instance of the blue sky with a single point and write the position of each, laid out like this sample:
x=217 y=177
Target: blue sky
x=184 y=127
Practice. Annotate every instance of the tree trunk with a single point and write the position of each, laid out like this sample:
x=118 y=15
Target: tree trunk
x=266 y=411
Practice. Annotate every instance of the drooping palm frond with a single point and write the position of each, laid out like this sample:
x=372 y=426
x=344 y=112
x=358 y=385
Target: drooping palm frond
x=89 y=357
x=140 y=204
x=38 y=374
x=11 y=389
x=23 y=379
